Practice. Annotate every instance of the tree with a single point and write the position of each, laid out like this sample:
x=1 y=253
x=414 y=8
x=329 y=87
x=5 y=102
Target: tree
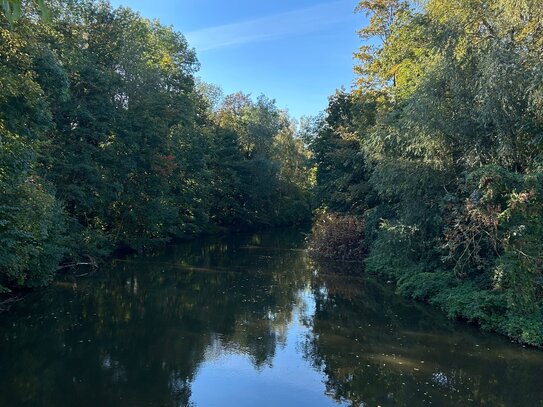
x=450 y=145
x=110 y=142
x=342 y=181
x=31 y=220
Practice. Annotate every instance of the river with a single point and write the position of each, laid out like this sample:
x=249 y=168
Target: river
x=248 y=320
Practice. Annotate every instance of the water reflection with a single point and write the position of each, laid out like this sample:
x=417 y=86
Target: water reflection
x=246 y=320
x=375 y=348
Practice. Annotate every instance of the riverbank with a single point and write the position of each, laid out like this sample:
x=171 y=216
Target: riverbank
x=342 y=239
x=91 y=265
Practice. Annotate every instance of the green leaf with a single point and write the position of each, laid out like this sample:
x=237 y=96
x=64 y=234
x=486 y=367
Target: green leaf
x=13 y=9
x=44 y=10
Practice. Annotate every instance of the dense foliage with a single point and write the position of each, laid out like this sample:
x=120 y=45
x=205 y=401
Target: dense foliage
x=107 y=140
x=440 y=146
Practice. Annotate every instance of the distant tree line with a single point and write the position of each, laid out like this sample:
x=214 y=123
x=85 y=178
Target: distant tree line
x=107 y=140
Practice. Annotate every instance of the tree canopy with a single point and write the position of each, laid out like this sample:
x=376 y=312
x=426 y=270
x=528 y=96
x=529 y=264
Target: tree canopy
x=445 y=162
x=108 y=140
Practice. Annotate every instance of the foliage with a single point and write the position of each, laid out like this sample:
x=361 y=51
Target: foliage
x=337 y=237
x=31 y=220
x=13 y=9
x=259 y=142
x=341 y=175
x=108 y=140
x=451 y=156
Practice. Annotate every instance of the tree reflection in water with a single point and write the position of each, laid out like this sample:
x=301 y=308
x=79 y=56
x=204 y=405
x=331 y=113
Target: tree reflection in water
x=376 y=348
x=144 y=331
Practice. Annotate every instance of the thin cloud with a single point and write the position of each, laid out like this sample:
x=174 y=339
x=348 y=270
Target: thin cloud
x=299 y=21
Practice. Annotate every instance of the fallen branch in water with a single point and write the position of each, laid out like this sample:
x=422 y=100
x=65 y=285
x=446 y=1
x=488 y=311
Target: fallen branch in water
x=6 y=304
x=92 y=262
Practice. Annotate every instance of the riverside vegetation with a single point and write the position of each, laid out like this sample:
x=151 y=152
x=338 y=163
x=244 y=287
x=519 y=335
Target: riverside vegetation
x=439 y=153
x=433 y=162
x=107 y=140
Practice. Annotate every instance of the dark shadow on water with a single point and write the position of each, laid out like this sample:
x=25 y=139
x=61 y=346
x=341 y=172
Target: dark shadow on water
x=247 y=319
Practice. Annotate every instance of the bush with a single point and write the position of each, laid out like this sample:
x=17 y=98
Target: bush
x=337 y=237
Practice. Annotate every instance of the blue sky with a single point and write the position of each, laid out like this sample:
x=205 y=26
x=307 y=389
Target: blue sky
x=295 y=51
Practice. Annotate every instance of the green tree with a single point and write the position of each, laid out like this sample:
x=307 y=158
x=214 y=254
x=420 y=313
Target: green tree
x=109 y=141
x=447 y=126
x=31 y=221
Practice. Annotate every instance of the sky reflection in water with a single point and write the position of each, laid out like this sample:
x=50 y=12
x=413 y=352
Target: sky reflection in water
x=246 y=320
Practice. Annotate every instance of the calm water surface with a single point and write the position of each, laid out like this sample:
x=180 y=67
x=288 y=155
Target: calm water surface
x=247 y=321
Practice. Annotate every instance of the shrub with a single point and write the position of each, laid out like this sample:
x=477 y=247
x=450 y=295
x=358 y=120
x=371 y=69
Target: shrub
x=337 y=237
